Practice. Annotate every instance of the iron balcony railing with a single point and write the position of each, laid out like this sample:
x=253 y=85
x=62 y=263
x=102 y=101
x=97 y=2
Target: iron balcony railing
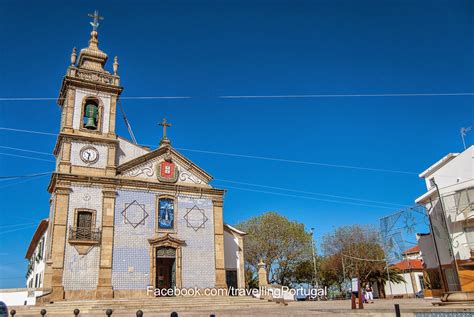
x=84 y=234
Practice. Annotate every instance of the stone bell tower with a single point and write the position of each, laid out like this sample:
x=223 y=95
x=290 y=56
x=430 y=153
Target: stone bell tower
x=88 y=99
x=85 y=148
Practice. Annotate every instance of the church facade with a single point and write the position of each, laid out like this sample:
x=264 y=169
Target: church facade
x=124 y=218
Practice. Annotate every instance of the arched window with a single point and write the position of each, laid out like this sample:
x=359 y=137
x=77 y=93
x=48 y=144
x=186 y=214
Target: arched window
x=91 y=115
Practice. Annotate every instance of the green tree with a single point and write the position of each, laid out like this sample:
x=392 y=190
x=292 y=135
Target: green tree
x=353 y=251
x=281 y=244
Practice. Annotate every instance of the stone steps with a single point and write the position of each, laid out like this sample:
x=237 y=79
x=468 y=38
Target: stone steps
x=152 y=305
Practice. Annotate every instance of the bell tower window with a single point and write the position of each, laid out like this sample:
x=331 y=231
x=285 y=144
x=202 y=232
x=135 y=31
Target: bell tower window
x=90 y=120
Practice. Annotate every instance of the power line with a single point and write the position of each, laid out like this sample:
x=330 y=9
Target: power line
x=24 y=150
x=259 y=157
x=26 y=157
x=21 y=181
x=261 y=96
x=305 y=197
x=28 y=131
x=56 y=98
x=300 y=162
x=309 y=193
x=18 y=229
x=18 y=225
x=345 y=95
x=3 y=178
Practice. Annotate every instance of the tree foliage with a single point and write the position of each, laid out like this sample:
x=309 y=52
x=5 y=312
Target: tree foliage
x=355 y=251
x=281 y=244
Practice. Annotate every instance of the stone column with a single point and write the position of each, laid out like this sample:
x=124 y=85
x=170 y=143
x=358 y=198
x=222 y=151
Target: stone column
x=241 y=271
x=104 y=286
x=262 y=274
x=219 y=243
x=58 y=243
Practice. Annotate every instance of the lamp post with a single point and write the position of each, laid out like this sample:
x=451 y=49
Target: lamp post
x=314 y=257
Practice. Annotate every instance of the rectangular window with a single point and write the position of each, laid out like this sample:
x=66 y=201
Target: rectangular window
x=166 y=213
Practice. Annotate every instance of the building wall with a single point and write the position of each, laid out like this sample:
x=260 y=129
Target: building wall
x=231 y=251
x=81 y=271
x=407 y=289
x=36 y=277
x=131 y=252
x=127 y=151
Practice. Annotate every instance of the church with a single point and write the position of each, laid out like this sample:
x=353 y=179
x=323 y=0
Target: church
x=125 y=218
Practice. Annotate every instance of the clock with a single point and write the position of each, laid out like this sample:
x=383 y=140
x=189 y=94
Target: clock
x=89 y=154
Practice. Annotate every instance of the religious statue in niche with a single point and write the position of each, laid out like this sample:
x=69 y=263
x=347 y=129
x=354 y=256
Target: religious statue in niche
x=166 y=213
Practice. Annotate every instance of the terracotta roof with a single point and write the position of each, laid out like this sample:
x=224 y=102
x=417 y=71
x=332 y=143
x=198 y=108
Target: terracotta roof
x=415 y=249
x=409 y=265
x=36 y=237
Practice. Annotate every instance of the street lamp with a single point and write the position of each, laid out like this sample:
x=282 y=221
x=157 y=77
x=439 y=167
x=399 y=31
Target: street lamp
x=314 y=257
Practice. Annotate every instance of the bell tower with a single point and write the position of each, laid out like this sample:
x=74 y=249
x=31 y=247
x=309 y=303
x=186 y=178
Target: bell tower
x=88 y=99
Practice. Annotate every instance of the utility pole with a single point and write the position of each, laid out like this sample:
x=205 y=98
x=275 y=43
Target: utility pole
x=314 y=257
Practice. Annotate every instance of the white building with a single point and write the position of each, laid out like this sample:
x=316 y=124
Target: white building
x=35 y=273
x=449 y=250
x=36 y=256
x=412 y=271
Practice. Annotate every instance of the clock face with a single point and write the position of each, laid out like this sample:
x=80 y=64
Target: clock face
x=89 y=154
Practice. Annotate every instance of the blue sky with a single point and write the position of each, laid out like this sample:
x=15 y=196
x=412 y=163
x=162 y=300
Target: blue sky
x=207 y=49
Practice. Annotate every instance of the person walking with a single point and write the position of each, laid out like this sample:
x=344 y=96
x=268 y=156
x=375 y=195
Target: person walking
x=369 y=295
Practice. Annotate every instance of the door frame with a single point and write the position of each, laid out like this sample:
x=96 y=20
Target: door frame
x=166 y=241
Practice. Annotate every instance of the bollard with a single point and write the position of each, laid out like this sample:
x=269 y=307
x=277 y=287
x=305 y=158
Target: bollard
x=13 y=312
x=139 y=313
x=109 y=312
x=174 y=314
x=397 y=310
x=43 y=312
x=76 y=312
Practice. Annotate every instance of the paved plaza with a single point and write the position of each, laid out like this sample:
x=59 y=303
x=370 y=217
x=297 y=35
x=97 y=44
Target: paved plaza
x=245 y=307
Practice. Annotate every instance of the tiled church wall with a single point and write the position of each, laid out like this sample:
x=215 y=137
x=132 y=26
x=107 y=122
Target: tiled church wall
x=131 y=259
x=198 y=255
x=131 y=253
x=81 y=271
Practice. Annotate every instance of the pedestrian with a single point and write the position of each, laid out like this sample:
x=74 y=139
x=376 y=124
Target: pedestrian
x=369 y=295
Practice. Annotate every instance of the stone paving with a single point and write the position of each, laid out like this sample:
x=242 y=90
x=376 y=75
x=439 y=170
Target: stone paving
x=236 y=307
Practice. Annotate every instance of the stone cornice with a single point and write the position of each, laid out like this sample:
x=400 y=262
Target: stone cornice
x=216 y=194
x=83 y=136
x=218 y=202
x=72 y=79
x=166 y=240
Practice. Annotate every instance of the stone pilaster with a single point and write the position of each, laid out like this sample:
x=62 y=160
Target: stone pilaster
x=219 y=243
x=104 y=286
x=110 y=169
x=65 y=157
x=58 y=242
x=113 y=113
x=68 y=111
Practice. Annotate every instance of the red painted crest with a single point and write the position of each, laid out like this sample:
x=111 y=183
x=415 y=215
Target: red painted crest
x=167 y=172
x=167 y=169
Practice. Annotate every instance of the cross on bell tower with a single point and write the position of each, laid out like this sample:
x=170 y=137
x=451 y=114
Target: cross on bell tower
x=164 y=139
x=95 y=22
